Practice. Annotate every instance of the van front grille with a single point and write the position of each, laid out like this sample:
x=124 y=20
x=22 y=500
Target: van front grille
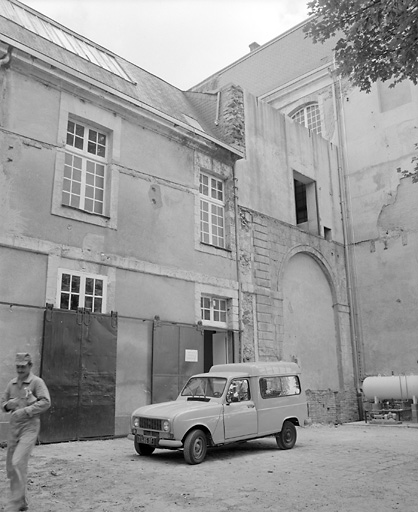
x=150 y=424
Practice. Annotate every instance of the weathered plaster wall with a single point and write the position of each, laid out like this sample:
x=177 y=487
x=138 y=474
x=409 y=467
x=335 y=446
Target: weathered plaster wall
x=21 y=331
x=381 y=135
x=141 y=295
x=275 y=148
x=308 y=318
x=378 y=133
x=295 y=302
x=310 y=325
x=387 y=273
x=148 y=248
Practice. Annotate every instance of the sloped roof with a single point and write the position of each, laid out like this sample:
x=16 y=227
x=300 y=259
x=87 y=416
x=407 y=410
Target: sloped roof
x=35 y=31
x=273 y=64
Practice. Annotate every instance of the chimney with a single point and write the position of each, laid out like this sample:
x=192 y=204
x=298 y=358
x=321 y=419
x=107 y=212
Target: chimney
x=254 y=46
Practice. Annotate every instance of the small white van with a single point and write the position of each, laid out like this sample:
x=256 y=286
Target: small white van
x=230 y=403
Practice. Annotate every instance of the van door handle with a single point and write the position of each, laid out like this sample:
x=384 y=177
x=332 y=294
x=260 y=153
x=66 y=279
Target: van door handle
x=251 y=406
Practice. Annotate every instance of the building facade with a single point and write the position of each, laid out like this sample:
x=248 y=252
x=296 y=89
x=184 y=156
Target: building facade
x=147 y=233
x=376 y=136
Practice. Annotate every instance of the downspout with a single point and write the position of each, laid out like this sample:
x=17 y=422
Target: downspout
x=237 y=255
x=357 y=354
x=218 y=104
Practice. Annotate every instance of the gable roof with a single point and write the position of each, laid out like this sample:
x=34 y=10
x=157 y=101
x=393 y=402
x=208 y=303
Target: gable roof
x=273 y=64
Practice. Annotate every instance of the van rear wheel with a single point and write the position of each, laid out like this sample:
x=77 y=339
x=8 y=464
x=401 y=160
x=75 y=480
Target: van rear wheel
x=286 y=439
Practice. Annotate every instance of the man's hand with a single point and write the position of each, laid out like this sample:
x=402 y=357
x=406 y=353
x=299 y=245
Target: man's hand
x=19 y=414
x=12 y=404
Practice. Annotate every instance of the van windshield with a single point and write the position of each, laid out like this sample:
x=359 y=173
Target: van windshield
x=210 y=387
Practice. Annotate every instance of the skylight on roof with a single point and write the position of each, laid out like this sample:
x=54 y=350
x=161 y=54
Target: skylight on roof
x=193 y=122
x=61 y=37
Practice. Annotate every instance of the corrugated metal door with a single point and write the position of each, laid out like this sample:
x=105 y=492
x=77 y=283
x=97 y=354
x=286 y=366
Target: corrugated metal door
x=79 y=367
x=177 y=354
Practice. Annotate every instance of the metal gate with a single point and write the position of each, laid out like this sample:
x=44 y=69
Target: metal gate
x=79 y=367
x=177 y=353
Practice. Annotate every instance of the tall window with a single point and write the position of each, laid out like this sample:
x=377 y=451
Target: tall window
x=306 y=208
x=85 y=167
x=213 y=309
x=212 y=210
x=79 y=290
x=310 y=117
x=300 y=202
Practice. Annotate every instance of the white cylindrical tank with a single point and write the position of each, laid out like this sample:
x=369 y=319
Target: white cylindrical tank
x=397 y=387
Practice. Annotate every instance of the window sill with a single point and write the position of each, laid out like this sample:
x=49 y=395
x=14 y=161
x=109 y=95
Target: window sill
x=69 y=212
x=213 y=249
x=215 y=325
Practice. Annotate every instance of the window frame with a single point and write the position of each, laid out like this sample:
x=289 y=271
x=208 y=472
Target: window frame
x=214 y=204
x=236 y=397
x=308 y=204
x=276 y=393
x=105 y=121
x=91 y=163
x=212 y=311
x=316 y=126
x=82 y=293
x=301 y=206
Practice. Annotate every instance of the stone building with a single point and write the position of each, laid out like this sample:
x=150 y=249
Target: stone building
x=147 y=233
x=376 y=134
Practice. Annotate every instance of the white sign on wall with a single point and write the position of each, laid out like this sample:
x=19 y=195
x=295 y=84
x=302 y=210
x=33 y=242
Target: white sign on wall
x=191 y=356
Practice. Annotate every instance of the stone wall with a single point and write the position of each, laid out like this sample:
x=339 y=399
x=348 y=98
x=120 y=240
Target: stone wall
x=266 y=247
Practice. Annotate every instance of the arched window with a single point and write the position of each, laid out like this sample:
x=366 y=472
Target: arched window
x=309 y=116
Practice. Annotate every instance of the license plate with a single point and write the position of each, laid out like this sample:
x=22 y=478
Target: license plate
x=147 y=440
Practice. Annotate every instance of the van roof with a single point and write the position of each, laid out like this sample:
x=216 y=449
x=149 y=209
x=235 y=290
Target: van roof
x=253 y=369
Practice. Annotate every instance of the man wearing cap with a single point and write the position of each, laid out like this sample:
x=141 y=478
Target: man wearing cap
x=26 y=397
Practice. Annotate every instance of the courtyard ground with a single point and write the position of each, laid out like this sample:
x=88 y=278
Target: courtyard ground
x=346 y=468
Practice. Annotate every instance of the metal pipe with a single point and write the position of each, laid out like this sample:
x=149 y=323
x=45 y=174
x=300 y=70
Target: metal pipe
x=350 y=292
x=218 y=103
x=237 y=256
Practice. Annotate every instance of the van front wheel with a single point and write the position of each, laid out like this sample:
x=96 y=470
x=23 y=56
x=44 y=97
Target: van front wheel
x=195 y=447
x=286 y=439
x=143 y=449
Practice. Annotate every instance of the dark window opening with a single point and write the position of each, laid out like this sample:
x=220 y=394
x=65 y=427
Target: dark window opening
x=300 y=202
x=327 y=233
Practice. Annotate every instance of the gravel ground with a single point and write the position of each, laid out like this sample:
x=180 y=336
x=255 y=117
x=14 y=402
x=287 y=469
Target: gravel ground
x=347 y=468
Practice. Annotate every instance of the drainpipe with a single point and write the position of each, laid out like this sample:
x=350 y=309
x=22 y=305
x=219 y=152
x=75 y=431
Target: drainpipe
x=354 y=331
x=237 y=255
x=218 y=104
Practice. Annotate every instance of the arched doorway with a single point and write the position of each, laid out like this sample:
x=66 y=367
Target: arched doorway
x=309 y=323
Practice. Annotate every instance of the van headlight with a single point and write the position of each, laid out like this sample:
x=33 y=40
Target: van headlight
x=166 y=426
x=136 y=422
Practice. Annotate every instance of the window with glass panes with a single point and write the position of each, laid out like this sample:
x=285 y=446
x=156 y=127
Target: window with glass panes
x=310 y=117
x=212 y=210
x=213 y=309
x=85 y=168
x=78 y=290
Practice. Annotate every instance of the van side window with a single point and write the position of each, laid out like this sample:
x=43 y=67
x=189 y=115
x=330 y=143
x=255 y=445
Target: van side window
x=239 y=391
x=273 y=387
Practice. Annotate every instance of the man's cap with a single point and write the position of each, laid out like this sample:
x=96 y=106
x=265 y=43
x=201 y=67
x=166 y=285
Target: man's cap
x=23 y=358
